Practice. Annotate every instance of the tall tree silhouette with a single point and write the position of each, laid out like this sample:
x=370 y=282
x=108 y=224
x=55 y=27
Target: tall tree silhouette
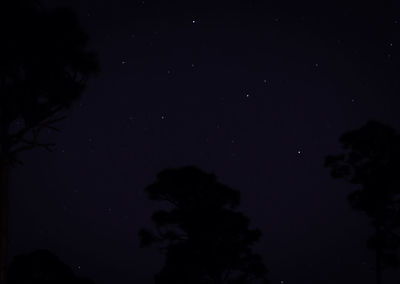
x=44 y=66
x=203 y=237
x=371 y=160
x=41 y=267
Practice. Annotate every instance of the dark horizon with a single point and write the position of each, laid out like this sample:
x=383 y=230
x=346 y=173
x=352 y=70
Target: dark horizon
x=255 y=92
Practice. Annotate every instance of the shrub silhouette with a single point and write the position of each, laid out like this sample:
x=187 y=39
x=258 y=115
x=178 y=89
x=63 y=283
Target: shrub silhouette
x=203 y=237
x=41 y=267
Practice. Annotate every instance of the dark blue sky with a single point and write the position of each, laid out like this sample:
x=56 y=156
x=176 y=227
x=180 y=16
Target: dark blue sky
x=257 y=93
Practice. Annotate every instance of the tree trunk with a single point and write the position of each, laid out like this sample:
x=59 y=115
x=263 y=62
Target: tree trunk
x=4 y=171
x=378 y=255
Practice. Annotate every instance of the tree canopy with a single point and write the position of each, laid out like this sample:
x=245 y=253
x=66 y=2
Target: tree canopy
x=44 y=66
x=205 y=240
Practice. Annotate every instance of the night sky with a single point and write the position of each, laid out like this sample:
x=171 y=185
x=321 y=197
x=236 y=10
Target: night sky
x=254 y=91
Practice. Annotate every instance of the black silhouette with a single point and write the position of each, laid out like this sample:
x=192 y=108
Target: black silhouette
x=204 y=239
x=44 y=66
x=372 y=161
x=41 y=267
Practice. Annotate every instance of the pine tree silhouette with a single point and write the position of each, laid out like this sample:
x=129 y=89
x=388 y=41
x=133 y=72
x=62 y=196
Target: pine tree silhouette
x=371 y=160
x=44 y=66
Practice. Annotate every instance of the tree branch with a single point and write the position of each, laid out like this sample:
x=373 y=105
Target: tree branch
x=30 y=145
x=44 y=123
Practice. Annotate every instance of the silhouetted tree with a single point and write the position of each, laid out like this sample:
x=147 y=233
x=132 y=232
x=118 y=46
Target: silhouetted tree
x=371 y=160
x=41 y=267
x=205 y=240
x=44 y=66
